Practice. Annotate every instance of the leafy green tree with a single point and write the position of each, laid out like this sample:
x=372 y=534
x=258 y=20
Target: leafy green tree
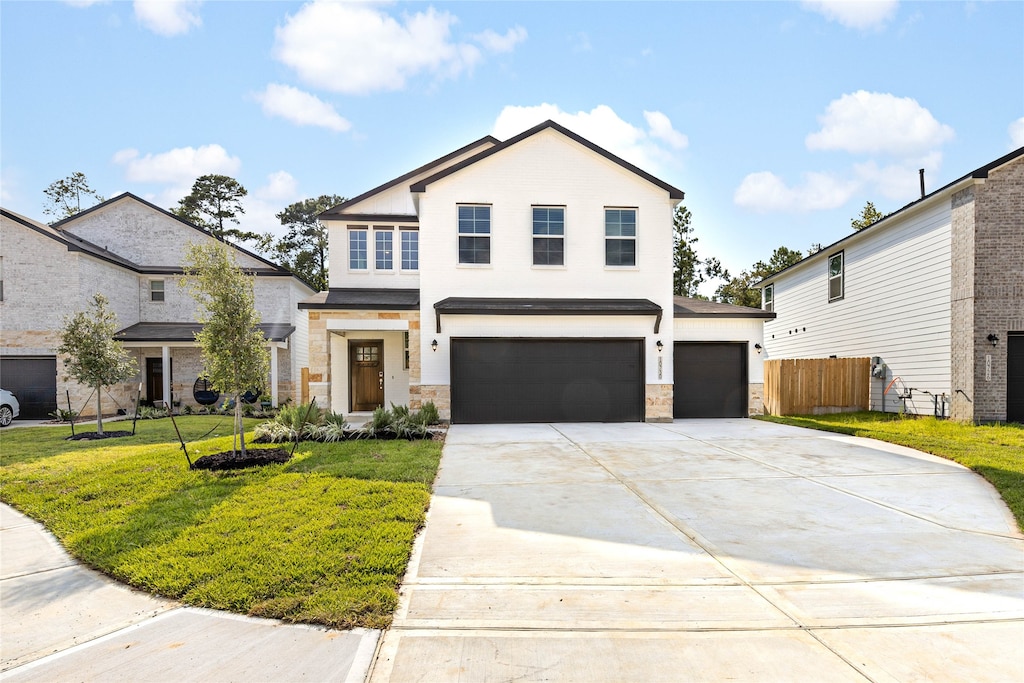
x=303 y=249
x=213 y=200
x=93 y=357
x=64 y=197
x=741 y=290
x=868 y=215
x=233 y=348
x=688 y=271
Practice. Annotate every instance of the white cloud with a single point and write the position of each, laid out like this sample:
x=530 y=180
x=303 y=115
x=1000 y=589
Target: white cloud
x=765 y=191
x=858 y=14
x=281 y=186
x=1016 y=130
x=660 y=127
x=359 y=49
x=878 y=123
x=495 y=42
x=180 y=165
x=168 y=17
x=301 y=108
x=603 y=127
x=264 y=203
x=85 y=3
x=900 y=181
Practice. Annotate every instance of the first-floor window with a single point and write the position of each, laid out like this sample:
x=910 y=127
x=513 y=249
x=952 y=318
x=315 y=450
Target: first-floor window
x=620 y=237
x=474 y=234
x=384 y=253
x=156 y=290
x=405 y=340
x=410 y=250
x=769 y=298
x=548 y=236
x=835 y=277
x=357 y=249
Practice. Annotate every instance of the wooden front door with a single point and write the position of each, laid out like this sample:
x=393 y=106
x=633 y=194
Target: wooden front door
x=155 y=380
x=366 y=370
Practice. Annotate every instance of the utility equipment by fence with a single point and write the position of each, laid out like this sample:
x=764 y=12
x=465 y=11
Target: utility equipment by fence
x=816 y=386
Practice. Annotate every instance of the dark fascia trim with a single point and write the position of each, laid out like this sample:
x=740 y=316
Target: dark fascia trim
x=978 y=173
x=763 y=315
x=502 y=306
x=673 y=192
x=125 y=335
x=371 y=306
x=375 y=218
x=340 y=208
x=59 y=225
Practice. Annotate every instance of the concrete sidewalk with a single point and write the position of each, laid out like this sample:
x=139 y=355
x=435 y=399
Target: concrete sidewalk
x=706 y=550
x=61 y=622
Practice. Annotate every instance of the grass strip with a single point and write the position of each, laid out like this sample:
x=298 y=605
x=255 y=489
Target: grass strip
x=322 y=539
x=994 y=451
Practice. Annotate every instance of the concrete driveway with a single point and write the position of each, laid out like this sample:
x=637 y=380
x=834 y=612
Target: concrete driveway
x=706 y=550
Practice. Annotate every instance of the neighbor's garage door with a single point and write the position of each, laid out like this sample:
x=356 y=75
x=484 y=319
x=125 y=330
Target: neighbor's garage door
x=710 y=379
x=1015 y=378
x=544 y=380
x=34 y=382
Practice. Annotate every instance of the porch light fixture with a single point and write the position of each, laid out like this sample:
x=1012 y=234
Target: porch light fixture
x=994 y=338
x=660 y=346
x=433 y=345
x=757 y=347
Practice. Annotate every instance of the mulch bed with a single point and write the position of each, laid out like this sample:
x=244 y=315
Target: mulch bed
x=94 y=436
x=254 y=457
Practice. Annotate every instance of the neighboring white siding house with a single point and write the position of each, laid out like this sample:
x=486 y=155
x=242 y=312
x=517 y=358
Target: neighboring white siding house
x=893 y=297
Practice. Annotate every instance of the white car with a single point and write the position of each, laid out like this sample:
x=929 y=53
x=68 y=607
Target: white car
x=9 y=408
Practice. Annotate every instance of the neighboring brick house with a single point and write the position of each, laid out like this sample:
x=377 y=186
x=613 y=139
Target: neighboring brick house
x=518 y=281
x=130 y=251
x=934 y=292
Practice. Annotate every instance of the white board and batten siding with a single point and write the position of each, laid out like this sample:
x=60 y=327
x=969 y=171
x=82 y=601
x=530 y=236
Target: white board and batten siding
x=896 y=305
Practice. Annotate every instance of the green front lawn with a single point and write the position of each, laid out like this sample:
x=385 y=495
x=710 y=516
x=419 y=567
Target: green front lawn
x=996 y=452
x=324 y=538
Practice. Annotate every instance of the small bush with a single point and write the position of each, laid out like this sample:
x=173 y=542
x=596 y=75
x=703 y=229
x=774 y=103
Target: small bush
x=63 y=415
x=151 y=412
x=273 y=432
x=429 y=414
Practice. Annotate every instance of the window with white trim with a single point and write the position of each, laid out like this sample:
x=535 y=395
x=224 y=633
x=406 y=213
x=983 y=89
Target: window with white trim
x=156 y=290
x=474 y=234
x=836 y=286
x=357 y=249
x=548 y=236
x=410 y=250
x=620 y=237
x=768 y=298
x=384 y=253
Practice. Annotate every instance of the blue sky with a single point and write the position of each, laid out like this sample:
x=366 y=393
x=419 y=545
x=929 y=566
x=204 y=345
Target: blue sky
x=778 y=119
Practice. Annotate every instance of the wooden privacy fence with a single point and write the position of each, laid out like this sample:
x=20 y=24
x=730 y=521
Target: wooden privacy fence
x=814 y=386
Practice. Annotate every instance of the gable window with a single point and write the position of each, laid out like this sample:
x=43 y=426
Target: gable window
x=156 y=290
x=384 y=254
x=410 y=250
x=548 y=236
x=769 y=298
x=835 y=277
x=357 y=249
x=474 y=234
x=620 y=237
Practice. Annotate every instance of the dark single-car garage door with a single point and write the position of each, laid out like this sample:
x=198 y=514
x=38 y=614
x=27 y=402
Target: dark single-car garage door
x=547 y=380
x=34 y=382
x=1015 y=378
x=710 y=379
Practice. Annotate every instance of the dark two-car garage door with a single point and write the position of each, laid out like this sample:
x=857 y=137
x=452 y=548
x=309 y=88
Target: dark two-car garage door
x=1015 y=378
x=34 y=382
x=547 y=380
x=710 y=380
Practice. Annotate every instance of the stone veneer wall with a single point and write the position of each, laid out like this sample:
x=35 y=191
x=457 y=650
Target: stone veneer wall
x=998 y=283
x=658 y=403
x=439 y=394
x=755 y=399
x=320 y=350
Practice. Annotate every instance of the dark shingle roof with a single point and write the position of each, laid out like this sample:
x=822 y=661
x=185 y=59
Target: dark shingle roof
x=186 y=332
x=685 y=307
x=364 y=299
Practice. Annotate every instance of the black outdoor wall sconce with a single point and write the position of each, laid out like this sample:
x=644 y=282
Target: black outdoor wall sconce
x=433 y=345
x=993 y=338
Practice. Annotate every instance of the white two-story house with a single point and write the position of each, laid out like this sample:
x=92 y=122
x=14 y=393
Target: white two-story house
x=519 y=281
x=130 y=251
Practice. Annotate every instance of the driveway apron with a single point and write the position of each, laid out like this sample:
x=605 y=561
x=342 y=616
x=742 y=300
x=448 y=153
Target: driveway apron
x=705 y=550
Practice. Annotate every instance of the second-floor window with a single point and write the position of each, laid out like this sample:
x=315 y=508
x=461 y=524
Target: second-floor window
x=769 y=298
x=384 y=253
x=156 y=290
x=835 y=277
x=474 y=234
x=357 y=250
x=620 y=237
x=548 y=236
x=410 y=250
